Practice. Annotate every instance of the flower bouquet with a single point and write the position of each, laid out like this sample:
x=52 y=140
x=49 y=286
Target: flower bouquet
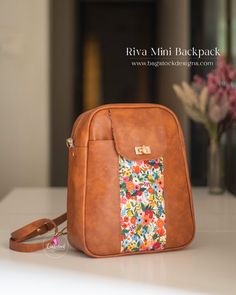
x=212 y=102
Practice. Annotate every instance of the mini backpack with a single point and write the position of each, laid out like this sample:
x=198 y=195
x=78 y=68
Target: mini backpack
x=128 y=185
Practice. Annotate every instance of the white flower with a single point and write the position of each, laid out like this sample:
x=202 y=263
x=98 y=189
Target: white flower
x=135 y=181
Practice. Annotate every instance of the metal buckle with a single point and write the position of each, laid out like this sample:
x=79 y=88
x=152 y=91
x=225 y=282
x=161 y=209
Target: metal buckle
x=144 y=149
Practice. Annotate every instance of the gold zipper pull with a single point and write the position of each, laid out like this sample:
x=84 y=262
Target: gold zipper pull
x=69 y=142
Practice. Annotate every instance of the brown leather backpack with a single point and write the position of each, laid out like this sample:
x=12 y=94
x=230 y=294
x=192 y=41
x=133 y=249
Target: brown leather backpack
x=128 y=185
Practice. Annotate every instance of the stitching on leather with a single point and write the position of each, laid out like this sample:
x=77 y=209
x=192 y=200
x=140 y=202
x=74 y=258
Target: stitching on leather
x=92 y=140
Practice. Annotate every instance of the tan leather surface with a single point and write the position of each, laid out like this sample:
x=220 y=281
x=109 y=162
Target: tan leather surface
x=102 y=210
x=144 y=126
x=80 y=131
x=93 y=201
x=76 y=197
x=100 y=127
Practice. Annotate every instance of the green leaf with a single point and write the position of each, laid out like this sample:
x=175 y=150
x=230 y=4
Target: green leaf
x=123 y=185
x=145 y=227
x=149 y=207
x=155 y=236
x=143 y=207
x=124 y=231
x=138 y=227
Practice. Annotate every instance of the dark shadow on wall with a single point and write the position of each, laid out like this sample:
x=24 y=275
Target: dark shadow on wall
x=89 y=66
x=62 y=43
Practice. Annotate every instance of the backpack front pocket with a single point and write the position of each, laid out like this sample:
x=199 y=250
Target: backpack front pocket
x=142 y=208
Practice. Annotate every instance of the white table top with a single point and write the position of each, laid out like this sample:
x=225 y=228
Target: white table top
x=207 y=266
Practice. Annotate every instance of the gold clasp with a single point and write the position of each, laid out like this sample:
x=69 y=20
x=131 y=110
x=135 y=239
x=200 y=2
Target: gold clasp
x=144 y=149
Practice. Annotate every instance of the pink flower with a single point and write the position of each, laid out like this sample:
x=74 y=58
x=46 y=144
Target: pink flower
x=123 y=200
x=199 y=80
x=221 y=84
x=232 y=105
x=137 y=187
x=221 y=79
x=157 y=246
x=212 y=83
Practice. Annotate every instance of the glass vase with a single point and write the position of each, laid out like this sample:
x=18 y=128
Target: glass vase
x=216 y=168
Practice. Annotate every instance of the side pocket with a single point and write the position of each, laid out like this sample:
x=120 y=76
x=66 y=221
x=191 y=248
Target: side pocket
x=76 y=196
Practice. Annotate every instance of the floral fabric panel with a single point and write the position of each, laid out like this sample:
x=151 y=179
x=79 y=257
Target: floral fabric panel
x=143 y=225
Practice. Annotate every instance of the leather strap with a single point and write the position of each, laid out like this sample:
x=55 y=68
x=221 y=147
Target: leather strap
x=32 y=230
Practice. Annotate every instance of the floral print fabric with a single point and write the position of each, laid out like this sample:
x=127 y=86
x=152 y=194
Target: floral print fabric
x=143 y=225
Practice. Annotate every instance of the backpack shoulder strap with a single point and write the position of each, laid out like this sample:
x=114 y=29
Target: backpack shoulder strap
x=34 y=229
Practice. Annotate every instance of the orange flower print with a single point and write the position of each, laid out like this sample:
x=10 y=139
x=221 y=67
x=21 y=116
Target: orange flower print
x=160 y=223
x=130 y=186
x=133 y=220
x=143 y=247
x=146 y=220
x=136 y=169
x=160 y=231
x=126 y=219
x=151 y=190
x=142 y=205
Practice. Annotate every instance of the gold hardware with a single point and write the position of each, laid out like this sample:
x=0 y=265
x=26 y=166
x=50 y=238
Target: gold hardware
x=144 y=149
x=69 y=142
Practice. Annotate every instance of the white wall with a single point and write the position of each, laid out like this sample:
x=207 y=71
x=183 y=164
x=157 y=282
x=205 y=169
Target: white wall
x=24 y=93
